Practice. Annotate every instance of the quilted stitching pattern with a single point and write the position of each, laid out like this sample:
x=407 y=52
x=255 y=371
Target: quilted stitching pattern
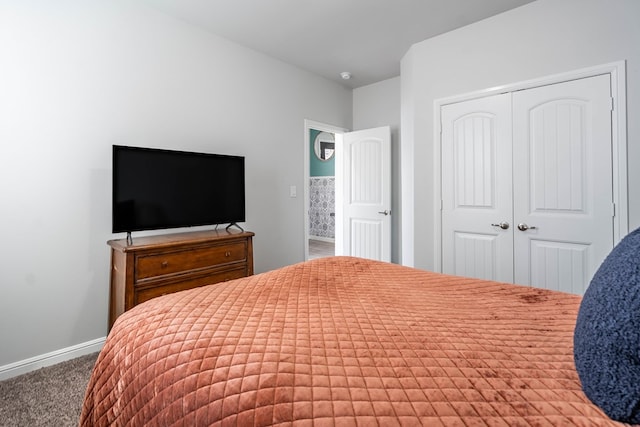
x=346 y=342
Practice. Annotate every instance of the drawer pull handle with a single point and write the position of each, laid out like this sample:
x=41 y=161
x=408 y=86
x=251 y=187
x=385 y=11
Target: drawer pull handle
x=227 y=254
x=164 y=264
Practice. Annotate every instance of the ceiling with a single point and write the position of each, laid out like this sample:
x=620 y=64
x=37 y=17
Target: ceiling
x=367 y=38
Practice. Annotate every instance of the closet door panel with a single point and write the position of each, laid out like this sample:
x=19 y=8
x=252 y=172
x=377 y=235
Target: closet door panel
x=559 y=266
x=476 y=189
x=562 y=176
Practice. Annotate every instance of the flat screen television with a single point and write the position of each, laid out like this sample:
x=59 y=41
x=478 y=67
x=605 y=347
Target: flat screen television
x=160 y=189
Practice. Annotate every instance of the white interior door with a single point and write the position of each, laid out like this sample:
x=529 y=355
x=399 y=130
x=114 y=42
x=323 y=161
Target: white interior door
x=539 y=160
x=363 y=200
x=563 y=200
x=477 y=234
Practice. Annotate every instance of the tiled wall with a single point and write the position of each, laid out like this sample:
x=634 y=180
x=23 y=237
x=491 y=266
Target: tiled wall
x=322 y=198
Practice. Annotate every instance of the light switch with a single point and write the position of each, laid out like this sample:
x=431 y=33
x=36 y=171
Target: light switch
x=293 y=191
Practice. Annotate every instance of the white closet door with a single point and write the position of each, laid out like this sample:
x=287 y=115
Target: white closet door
x=476 y=188
x=562 y=175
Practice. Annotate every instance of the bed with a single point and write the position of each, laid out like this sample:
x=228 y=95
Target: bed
x=344 y=341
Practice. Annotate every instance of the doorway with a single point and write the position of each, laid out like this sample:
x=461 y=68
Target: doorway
x=319 y=188
x=322 y=194
x=361 y=190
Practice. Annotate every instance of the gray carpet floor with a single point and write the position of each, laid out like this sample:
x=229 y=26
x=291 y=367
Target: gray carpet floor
x=50 y=396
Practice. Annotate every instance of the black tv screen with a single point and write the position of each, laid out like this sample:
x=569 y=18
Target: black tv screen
x=158 y=189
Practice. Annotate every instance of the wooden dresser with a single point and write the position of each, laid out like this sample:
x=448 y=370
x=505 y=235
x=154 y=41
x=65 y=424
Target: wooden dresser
x=159 y=265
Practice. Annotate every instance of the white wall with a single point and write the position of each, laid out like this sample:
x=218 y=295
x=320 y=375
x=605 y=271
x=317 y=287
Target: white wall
x=378 y=105
x=539 y=39
x=77 y=76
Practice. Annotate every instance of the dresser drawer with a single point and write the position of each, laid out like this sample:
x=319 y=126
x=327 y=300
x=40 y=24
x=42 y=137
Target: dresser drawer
x=156 y=265
x=142 y=295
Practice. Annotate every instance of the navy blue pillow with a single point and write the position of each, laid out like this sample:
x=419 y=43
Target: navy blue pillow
x=607 y=335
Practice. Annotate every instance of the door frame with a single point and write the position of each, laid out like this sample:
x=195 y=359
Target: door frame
x=617 y=72
x=323 y=127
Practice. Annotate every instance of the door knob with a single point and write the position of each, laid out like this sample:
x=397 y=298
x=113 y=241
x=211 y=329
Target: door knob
x=385 y=212
x=504 y=225
x=524 y=227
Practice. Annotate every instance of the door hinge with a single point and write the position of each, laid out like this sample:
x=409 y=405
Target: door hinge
x=613 y=209
x=613 y=103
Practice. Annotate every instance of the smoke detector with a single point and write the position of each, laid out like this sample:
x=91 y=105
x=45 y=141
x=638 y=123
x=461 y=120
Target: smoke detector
x=345 y=75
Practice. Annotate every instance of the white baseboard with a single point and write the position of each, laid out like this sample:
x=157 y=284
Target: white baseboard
x=23 y=366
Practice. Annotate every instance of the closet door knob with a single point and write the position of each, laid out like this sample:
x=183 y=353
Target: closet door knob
x=524 y=227
x=504 y=225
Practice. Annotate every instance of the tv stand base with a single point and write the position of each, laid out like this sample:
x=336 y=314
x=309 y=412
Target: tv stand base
x=232 y=224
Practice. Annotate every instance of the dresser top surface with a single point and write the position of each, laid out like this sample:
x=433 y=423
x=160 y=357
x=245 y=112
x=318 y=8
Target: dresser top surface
x=173 y=239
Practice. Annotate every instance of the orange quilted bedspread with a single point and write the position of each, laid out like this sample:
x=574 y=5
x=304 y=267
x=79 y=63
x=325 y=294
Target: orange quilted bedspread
x=343 y=341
